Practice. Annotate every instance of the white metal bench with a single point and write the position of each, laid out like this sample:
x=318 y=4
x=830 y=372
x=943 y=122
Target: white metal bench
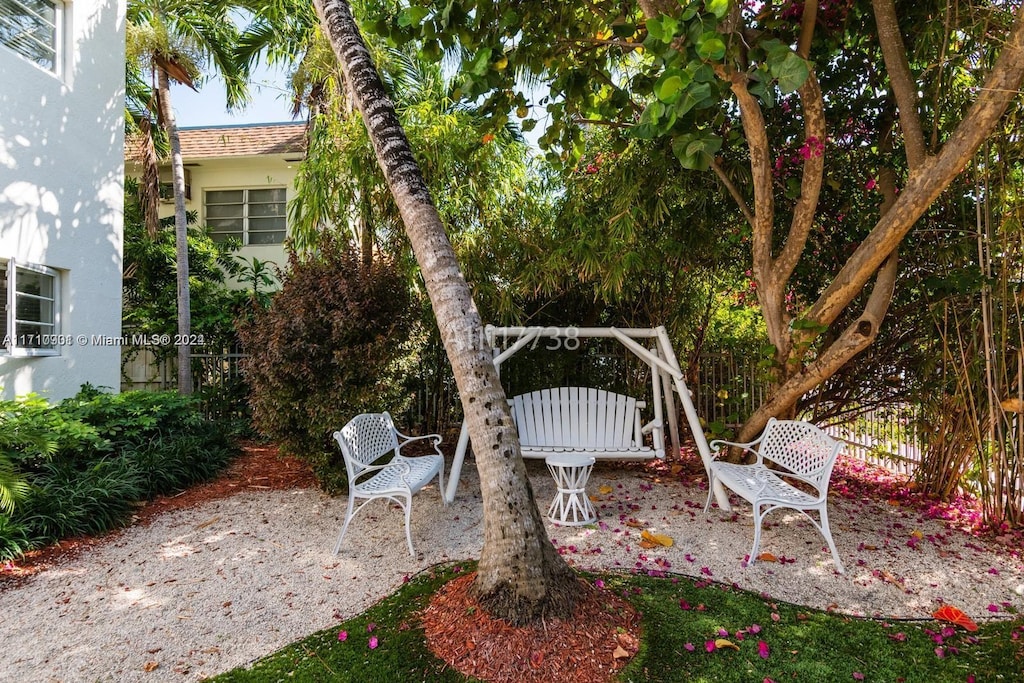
x=583 y=420
x=808 y=455
x=364 y=441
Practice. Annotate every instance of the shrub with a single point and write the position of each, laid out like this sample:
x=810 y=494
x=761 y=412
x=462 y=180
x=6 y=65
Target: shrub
x=84 y=463
x=330 y=346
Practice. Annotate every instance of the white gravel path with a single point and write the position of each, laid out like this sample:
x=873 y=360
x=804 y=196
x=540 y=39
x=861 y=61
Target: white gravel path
x=204 y=590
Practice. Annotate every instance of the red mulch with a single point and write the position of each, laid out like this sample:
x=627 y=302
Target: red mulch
x=259 y=467
x=602 y=636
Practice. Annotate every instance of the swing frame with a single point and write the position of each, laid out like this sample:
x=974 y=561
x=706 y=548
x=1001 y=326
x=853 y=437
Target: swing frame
x=666 y=381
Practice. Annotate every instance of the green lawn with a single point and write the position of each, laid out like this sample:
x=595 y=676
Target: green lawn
x=682 y=618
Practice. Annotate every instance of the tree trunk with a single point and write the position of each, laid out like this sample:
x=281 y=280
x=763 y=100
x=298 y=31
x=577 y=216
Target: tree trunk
x=520 y=577
x=180 y=235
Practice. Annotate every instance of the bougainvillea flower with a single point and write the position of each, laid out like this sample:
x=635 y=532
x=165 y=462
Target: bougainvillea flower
x=955 y=616
x=762 y=649
x=343 y=635
x=373 y=642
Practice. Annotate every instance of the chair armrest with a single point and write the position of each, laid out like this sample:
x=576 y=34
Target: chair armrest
x=717 y=444
x=436 y=438
x=651 y=426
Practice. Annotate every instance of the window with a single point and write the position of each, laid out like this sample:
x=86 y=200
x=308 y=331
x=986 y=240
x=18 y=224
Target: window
x=250 y=216
x=31 y=320
x=32 y=29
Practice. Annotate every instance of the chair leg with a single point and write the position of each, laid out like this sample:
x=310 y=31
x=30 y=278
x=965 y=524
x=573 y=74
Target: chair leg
x=711 y=492
x=344 y=527
x=440 y=483
x=827 y=533
x=408 y=517
x=758 y=516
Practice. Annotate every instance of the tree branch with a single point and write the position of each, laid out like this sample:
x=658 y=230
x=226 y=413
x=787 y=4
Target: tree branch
x=733 y=191
x=810 y=182
x=904 y=88
x=928 y=181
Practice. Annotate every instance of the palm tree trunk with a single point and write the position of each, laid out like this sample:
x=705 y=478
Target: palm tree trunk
x=180 y=234
x=520 y=576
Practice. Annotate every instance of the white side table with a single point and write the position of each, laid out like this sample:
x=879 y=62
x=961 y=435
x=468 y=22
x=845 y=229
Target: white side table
x=571 y=506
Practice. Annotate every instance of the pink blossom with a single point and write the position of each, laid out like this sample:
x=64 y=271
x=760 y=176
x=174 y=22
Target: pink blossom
x=370 y=627
x=343 y=635
x=762 y=649
x=755 y=628
x=689 y=647
x=858 y=676
x=993 y=608
x=870 y=184
x=709 y=646
x=373 y=642
x=599 y=583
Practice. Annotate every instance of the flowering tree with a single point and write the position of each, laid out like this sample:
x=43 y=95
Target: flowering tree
x=762 y=95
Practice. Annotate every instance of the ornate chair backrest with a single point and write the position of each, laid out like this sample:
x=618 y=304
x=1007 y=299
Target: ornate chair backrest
x=365 y=439
x=802 y=448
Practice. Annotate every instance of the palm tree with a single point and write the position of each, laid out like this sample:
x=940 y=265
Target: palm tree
x=520 y=576
x=173 y=40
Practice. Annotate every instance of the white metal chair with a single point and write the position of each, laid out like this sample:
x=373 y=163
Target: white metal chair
x=364 y=441
x=806 y=452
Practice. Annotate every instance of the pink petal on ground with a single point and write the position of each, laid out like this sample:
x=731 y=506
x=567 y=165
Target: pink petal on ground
x=762 y=649
x=993 y=608
x=343 y=635
x=709 y=646
x=689 y=647
x=373 y=642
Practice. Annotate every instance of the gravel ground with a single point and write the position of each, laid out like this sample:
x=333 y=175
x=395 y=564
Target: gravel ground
x=204 y=590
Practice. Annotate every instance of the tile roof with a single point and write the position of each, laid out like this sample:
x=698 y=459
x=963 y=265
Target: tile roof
x=242 y=141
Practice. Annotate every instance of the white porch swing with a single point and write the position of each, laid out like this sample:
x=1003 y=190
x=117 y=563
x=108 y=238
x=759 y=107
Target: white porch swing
x=601 y=424
x=593 y=421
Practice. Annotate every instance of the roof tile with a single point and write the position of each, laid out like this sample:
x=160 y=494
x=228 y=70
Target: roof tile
x=242 y=141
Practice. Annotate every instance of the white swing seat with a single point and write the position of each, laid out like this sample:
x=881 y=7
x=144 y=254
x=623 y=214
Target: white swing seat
x=806 y=452
x=363 y=441
x=582 y=420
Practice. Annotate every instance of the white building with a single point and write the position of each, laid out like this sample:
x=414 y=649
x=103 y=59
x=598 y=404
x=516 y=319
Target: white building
x=61 y=194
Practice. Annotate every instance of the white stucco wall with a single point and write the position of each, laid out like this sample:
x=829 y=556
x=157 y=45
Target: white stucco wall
x=61 y=193
x=240 y=173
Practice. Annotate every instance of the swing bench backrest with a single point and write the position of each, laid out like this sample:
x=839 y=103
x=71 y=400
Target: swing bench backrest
x=581 y=420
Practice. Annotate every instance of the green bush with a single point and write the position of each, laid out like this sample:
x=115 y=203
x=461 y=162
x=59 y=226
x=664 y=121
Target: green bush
x=83 y=464
x=331 y=345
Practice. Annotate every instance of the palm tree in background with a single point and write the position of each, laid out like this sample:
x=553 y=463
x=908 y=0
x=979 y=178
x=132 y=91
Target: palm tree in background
x=172 y=40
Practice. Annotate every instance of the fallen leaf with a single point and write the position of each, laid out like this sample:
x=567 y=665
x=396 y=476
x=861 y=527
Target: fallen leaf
x=203 y=525
x=628 y=641
x=954 y=615
x=869 y=547
x=721 y=643
x=657 y=539
x=676 y=469
x=604 y=489
x=634 y=524
x=150 y=666
x=767 y=557
x=917 y=533
x=620 y=653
